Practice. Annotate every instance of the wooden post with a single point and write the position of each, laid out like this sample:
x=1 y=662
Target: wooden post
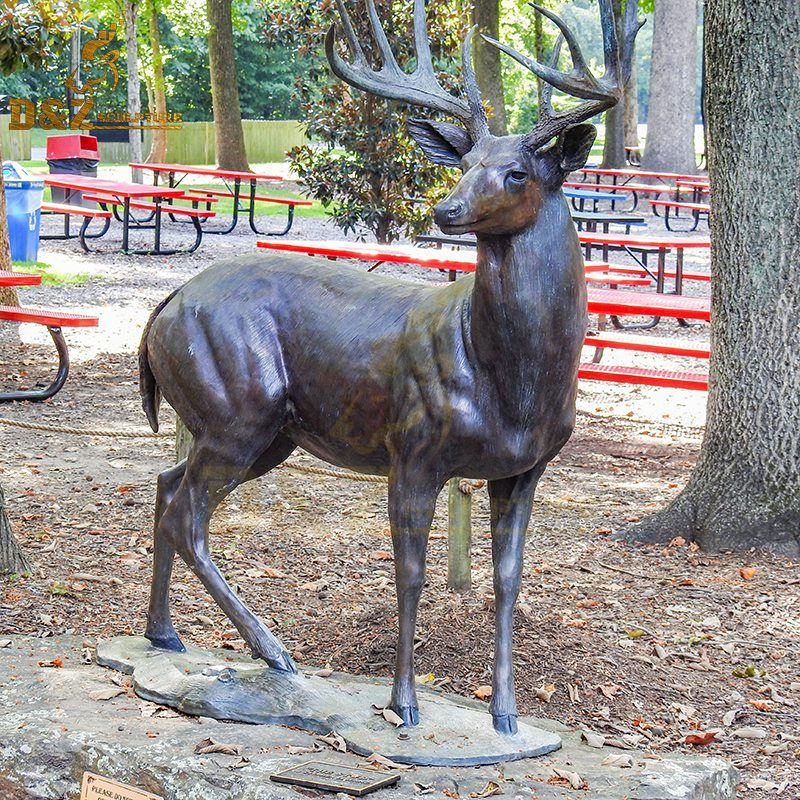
x=459 y=537
x=183 y=440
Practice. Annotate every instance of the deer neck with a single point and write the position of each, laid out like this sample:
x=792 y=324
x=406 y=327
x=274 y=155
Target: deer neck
x=529 y=296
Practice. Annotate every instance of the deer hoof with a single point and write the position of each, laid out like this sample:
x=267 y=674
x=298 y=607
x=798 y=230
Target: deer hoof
x=505 y=723
x=169 y=642
x=283 y=662
x=409 y=715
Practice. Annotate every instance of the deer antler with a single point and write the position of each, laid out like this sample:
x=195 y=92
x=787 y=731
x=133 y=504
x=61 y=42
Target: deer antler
x=420 y=87
x=600 y=93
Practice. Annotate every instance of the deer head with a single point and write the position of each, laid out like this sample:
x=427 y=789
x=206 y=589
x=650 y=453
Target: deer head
x=504 y=178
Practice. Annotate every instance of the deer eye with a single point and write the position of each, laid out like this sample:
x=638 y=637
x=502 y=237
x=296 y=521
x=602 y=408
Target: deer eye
x=517 y=176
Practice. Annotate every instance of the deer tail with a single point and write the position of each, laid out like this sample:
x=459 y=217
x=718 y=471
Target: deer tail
x=148 y=387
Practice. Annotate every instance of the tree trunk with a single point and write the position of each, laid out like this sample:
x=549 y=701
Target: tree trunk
x=673 y=77
x=745 y=489
x=488 y=68
x=134 y=86
x=614 y=143
x=538 y=46
x=631 y=114
x=12 y=562
x=158 y=149
x=228 y=133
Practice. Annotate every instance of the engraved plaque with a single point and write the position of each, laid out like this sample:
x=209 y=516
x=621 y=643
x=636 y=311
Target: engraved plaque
x=96 y=787
x=335 y=778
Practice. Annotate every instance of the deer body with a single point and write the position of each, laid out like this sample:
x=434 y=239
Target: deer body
x=262 y=354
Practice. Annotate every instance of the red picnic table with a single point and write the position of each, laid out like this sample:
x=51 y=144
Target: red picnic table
x=233 y=181
x=129 y=196
x=612 y=302
x=54 y=320
x=630 y=174
x=454 y=261
x=601 y=301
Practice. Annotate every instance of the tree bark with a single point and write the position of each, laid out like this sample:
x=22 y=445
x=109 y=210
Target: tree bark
x=673 y=77
x=488 y=68
x=134 y=85
x=228 y=133
x=11 y=559
x=9 y=332
x=631 y=114
x=614 y=142
x=158 y=148
x=745 y=489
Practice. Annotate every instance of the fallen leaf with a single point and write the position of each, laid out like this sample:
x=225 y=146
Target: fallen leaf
x=610 y=690
x=424 y=788
x=748 y=572
x=106 y=694
x=391 y=716
x=333 y=740
x=56 y=662
x=544 y=693
x=678 y=541
x=380 y=555
x=761 y=705
x=700 y=739
x=621 y=760
x=5 y=643
x=593 y=739
x=376 y=759
x=729 y=717
x=491 y=788
x=483 y=692
x=242 y=762
x=210 y=746
x=572 y=778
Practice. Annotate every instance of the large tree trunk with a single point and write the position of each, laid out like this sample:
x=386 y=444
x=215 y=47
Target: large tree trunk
x=9 y=332
x=158 y=149
x=228 y=133
x=11 y=559
x=631 y=102
x=134 y=86
x=745 y=489
x=488 y=69
x=670 y=118
x=614 y=142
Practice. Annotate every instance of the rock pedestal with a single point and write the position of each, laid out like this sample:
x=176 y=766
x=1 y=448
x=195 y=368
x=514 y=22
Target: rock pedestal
x=58 y=722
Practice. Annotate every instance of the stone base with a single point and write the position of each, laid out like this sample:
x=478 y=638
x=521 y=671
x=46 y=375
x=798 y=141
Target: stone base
x=225 y=686
x=54 y=726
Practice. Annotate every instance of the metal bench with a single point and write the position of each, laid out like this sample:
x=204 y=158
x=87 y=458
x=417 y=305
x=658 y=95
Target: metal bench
x=87 y=214
x=696 y=208
x=55 y=321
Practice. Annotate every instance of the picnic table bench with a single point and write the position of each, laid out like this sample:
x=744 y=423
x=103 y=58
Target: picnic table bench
x=601 y=301
x=123 y=195
x=233 y=180
x=694 y=207
x=86 y=215
x=55 y=321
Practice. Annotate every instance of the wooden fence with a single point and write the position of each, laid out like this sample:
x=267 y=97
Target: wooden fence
x=16 y=145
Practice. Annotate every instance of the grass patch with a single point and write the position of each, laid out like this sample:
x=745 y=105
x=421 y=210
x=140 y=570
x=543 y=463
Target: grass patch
x=52 y=276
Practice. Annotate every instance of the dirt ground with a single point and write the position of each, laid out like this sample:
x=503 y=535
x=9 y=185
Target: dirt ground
x=658 y=649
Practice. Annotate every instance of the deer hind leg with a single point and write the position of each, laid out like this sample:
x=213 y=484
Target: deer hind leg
x=160 y=630
x=213 y=470
x=511 y=502
x=411 y=508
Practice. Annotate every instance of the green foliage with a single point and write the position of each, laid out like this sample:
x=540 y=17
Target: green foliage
x=362 y=166
x=32 y=31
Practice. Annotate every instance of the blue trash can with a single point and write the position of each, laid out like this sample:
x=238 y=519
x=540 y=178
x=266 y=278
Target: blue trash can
x=23 y=208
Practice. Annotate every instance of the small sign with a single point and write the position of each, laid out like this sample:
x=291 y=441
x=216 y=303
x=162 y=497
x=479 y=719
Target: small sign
x=96 y=787
x=335 y=778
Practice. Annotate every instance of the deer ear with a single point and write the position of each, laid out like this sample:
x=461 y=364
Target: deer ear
x=442 y=142
x=574 y=146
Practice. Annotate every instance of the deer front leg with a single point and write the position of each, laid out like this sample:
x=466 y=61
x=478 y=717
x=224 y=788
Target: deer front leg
x=411 y=507
x=511 y=502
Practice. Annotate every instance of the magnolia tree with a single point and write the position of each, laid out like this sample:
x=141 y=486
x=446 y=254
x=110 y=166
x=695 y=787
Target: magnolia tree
x=31 y=32
x=361 y=164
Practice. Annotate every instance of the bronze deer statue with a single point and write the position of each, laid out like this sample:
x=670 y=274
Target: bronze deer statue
x=262 y=354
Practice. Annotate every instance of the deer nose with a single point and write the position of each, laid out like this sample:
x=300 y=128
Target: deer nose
x=448 y=211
